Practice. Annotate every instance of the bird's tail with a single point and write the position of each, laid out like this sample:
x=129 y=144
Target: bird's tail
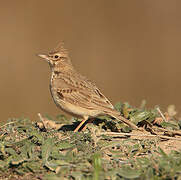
x=115 y=114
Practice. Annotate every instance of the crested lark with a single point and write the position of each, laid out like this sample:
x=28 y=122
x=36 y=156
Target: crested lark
x=74 y=93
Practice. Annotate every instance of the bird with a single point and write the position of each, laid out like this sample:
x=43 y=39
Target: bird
x=74 y=93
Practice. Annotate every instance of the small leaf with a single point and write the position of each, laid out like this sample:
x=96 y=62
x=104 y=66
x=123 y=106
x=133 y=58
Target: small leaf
x=64 y=145
x=10 y=151
x=77 y=175
x=2 y=148
x=129 y=173
x=59 y=162
x=144 y=162
x=125 y=110
x=2 y=164
x=51 y=177
x=26 y=150
x=170 y=124
x=126 y=129
x=61 y=117
x=51 y=165
x=118 y=106
x=162 y=152
x=37 y=135
x=141 y=116
x=18 y=160
x=46 y=149
x=33 y=166
x=97 y=165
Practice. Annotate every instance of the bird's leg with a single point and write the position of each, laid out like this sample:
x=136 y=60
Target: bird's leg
x=80 y=125
x=89 y=121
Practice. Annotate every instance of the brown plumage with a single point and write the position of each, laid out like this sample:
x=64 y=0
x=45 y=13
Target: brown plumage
x=74 y=93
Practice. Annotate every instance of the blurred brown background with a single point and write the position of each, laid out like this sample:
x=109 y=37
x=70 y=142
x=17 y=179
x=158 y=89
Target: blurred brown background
x=131 y=49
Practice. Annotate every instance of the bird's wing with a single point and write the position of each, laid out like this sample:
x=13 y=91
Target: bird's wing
x=84 y=99
x=80 y=91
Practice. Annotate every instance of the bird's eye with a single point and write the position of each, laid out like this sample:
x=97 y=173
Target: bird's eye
x=56 y=56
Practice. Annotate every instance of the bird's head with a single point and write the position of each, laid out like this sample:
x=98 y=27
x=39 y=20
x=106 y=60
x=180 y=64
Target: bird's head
x=58 y=59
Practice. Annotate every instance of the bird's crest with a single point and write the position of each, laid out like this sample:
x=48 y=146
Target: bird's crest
x=60 y=49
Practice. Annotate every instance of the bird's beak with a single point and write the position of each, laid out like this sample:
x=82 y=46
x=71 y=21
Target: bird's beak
x=44 y=56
